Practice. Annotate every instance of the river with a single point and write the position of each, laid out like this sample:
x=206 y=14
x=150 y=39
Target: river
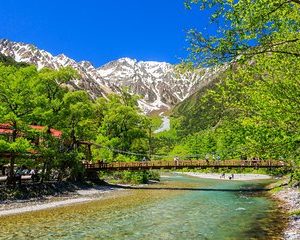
x=179 y=207
x=165 y=125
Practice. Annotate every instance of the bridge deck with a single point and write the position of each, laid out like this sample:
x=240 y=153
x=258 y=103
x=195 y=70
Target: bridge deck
x=119 y=166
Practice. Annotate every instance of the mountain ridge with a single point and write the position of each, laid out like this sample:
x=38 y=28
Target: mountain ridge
x=158 y=83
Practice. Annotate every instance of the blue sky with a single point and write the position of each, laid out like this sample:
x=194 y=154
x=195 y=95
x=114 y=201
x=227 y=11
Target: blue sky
x=102 y=30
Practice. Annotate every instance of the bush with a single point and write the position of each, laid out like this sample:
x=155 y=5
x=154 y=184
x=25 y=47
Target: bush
x=130 y=177
x=296 y=175
x=153 y=175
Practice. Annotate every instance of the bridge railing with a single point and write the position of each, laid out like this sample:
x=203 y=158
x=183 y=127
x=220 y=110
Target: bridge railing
x=185 y=163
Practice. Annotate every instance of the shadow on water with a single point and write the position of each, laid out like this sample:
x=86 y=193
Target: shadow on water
x=193 y=189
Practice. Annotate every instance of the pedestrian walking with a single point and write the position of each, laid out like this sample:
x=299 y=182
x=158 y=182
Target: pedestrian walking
x=176 y=160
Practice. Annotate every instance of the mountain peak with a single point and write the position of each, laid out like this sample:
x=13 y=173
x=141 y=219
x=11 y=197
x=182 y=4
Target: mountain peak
x=86 y=64
x=61 y=56
x=127 y=59
x=158 y=84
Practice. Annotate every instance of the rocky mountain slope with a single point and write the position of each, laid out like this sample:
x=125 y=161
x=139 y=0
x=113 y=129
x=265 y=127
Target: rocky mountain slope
x=158 y=83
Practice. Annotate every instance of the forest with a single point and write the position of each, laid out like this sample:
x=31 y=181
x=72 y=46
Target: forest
x=251 y=110
x=31 y=98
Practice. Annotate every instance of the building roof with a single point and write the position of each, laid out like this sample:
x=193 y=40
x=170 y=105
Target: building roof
x=54 y=132
x=6 y=129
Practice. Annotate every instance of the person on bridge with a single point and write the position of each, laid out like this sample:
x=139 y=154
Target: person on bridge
x=176 y=160
x=207 y=159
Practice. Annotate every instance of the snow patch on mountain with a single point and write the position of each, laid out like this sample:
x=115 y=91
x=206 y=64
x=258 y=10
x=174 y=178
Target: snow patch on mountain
x=158 y=84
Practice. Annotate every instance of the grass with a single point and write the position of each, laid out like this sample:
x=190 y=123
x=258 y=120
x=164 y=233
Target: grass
x=295 y=212
x=276 y=189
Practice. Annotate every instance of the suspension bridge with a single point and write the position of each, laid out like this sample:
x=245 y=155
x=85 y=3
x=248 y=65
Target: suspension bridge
x=180 y=164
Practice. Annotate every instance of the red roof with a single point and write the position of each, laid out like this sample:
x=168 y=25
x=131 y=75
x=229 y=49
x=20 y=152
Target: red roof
x=6 y=128
x=54 y=132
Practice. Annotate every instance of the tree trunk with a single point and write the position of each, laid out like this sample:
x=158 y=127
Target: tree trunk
x=11 y=178
x=43 y=172
x=45 y=165
x=150 y=143
x=73 y=139
x=89 y=153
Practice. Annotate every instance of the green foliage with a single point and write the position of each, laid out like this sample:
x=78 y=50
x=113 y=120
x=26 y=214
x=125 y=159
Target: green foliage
x=4 y=146
x=197 y=113
x=10 y=61
x=134 y=177
x=153 y=175
x=252 y=109
x=30 y=97
x=130 y=177
x=17 y=103
x=77 y=116
x=163 y=143
x=122 y=129
x=50 y=101
x=156 y=121
x=296 y=175
x=17 y=93
x=245 y=29
x=258 y=116
x=180 y=151
x=21 y=145
x=295 y=213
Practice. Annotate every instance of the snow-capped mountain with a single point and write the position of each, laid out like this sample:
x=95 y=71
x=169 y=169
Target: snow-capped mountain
x=158 y=83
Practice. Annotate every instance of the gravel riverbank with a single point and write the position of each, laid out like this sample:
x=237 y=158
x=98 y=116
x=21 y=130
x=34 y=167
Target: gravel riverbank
x=237 y=177
x=290 y=197
x=79 y=194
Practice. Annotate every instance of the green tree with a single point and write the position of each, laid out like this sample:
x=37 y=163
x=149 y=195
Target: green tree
x=50 y=109
x=123 y=128
x=246 y=28
x=52 y=88
x=17 y=104
x=253 y=110
x=77 y=117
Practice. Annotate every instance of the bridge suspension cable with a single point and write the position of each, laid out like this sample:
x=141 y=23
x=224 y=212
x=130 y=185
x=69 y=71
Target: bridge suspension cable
x=121 y=151
x=198 y=156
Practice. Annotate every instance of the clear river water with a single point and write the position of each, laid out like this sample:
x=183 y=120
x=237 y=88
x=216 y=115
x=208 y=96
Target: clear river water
x=178 y=208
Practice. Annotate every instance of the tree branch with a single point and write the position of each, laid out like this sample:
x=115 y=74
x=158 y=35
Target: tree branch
x=296 y=1
x=285 y=52
x=271 y=48
x=285 y=42
x=272 y=51
x=278 y=7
